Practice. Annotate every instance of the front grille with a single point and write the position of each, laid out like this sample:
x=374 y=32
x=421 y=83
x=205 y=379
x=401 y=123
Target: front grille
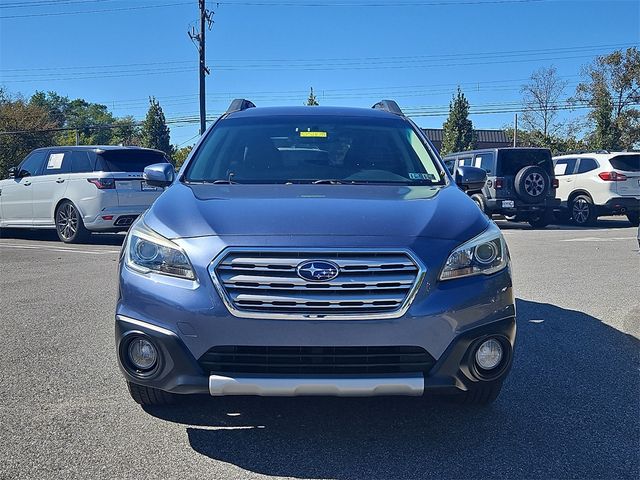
x=315 y=360
x=266 y=284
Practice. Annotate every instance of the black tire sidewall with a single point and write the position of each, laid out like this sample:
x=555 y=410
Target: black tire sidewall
x=634 y=218
x=541 y=221
x=81 y=232
x=479 y=201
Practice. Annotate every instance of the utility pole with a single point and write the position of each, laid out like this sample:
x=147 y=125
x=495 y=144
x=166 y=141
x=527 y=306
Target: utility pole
x=515 y=130
x=198 y=38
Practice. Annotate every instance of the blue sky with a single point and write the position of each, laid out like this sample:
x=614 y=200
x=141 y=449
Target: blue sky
x=353 y=52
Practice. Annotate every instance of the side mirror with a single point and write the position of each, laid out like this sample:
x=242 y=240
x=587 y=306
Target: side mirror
x=470 y=178
x=159 y=174
x=13 y=172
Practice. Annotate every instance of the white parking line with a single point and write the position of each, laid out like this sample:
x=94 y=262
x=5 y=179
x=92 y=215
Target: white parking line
x=597 y=239
x=58 y=249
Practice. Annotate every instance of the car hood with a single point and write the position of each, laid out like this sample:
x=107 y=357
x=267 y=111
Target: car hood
x=333 y=210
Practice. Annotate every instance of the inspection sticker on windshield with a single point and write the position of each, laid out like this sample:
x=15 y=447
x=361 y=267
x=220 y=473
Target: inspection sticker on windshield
x=421 y=176
x=314 y=134
x=55 y=161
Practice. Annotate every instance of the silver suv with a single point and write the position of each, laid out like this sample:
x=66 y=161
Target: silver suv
x=78 y=190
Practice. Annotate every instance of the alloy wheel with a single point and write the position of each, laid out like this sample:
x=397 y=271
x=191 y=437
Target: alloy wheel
x=67 y=221
x=534 y=184
x=581 y=211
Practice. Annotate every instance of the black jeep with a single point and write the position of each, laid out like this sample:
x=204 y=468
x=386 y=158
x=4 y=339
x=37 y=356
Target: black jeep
x=520 y=182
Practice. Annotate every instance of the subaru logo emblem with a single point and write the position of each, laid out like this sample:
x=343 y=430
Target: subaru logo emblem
x=318 y=270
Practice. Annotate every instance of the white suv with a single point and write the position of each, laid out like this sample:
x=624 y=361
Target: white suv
x=601 y=183
x=77 y=190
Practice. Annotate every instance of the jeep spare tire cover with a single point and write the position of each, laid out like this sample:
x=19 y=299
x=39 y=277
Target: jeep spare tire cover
x=532 y=184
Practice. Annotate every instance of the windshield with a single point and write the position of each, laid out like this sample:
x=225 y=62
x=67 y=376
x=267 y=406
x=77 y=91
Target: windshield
x=130 y=160
x=626 y=163
x=321 y=149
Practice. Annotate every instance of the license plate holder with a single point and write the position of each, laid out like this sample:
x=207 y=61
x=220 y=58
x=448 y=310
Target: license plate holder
x=124 y=184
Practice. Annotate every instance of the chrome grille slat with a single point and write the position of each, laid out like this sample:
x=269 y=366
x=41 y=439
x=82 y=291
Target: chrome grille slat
x=265 y=283
x=232 y=280
x=266 y=269
x=320 y=297
x=293 y=261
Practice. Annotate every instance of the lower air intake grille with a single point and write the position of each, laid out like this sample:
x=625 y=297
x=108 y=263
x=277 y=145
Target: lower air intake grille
x=316 y=360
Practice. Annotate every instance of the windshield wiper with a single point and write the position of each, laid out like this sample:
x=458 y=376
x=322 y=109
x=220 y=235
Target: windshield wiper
x=327 y=181
x=220 y=181
x=223 y=181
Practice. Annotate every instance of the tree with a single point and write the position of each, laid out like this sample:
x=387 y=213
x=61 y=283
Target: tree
x=155 y=132
x=18 y=115
x=558 y=144
x=181 y=154
x=611 y=87
x=127 y=131
x=92 y=121
x=312 y=101
x=458 y=129
x=541 y=99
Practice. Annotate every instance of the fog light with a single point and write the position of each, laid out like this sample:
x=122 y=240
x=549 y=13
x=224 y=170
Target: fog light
x=489 y=354
x=142 y=354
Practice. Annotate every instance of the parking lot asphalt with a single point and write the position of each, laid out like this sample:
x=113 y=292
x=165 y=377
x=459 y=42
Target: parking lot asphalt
x=570 y=409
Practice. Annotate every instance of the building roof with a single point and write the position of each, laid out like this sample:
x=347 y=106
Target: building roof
x=482 y=136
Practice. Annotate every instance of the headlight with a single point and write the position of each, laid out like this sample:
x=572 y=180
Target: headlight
x=146 y=251
x=485 y=254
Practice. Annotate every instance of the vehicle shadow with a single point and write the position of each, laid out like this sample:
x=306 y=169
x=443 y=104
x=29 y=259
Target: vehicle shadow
x=601 y=224
x=50 y=235
x=568 y=410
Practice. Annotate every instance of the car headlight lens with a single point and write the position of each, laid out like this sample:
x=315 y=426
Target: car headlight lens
x=485 y=254
x=146 y=251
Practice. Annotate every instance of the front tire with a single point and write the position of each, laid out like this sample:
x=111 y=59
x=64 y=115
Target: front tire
x=69 y=224
x=150 y=397
x=542 y=220
x=634 y=218
x=484 y=394
x=583 y=211
x=479 y=201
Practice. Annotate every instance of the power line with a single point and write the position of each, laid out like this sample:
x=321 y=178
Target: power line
x=47 y=3
x=420 y=111
x=308 y=67
x=388 y=58
x=120 y=9
x=368 y=4
x=303 y=3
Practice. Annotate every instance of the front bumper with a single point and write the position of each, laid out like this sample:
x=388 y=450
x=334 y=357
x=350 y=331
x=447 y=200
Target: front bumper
x=187 y=318
x=180 y=372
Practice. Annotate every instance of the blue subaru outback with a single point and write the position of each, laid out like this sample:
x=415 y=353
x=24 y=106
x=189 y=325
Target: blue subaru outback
x=314 y=251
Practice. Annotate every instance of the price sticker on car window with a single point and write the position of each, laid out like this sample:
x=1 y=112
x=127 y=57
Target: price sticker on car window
x=55 y=161
x=314 y=134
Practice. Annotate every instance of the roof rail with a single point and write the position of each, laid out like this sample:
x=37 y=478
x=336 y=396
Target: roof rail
x=239 y=104
x=583 y=151
x=388 y=106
